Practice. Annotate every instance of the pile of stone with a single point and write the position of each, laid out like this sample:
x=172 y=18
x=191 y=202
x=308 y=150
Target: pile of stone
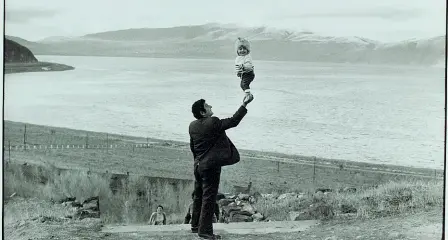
x=89 y=208
x=239 y=208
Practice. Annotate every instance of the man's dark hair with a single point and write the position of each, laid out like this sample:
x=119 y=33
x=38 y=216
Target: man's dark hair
x=197 y=108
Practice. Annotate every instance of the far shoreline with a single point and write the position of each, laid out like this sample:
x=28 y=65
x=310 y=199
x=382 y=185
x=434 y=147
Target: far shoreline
x=193 y=58
x=10 y=68
x=332 y=163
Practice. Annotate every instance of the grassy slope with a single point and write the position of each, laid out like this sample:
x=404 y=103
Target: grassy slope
x=400 y=223
x=173 y=159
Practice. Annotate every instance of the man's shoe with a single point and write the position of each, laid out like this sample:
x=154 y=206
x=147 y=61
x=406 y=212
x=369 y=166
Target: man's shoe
x=211 y=237
x=194 y=230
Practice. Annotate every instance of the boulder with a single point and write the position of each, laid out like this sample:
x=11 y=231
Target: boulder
x=240 y=218
x=324 y=190
x=225 y=202
x=81 y=214
x=294 y=215
x=249 y=208
x=268 y=196
x=258 y=217
x=239 y=209
x=243 y=196
x=90 y=208
x=345 y=208
x=67 y=199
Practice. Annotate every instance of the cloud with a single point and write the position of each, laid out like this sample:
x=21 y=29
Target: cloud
x=25 y=16
x=382 y=13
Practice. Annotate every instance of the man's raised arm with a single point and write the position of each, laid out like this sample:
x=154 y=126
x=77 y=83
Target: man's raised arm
x=231 y=122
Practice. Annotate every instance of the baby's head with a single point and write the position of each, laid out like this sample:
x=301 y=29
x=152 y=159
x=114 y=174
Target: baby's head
x=242 y=47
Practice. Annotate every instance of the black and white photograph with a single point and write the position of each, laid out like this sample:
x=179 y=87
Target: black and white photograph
x=241 y=120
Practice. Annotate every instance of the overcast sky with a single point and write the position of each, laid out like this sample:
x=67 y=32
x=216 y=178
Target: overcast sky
x=384 y=20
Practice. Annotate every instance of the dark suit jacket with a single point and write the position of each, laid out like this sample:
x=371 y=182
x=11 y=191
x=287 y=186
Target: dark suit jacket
x=208 y=140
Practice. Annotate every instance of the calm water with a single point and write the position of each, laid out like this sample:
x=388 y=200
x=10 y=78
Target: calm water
x=363 y=113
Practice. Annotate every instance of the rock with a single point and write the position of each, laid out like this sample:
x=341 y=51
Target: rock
x=239 y=209
x=230 y=209
x=252 y=199
x=268 y=196
x=257 y=217
x=324 y=190
x=232 y=197
x=244 y=213
x=294 y=216
x=243 y=196
x=225 y=202
x=220 y=196
x=345 y=208
x=90 y=208
x=68 y=199
x=319 y=195
x=287 y=196
x=44 y=219
x=257 y=195
x=76 y=204
x=91 y=204
x=82 y=214
x=249 y=208
x=240 y=218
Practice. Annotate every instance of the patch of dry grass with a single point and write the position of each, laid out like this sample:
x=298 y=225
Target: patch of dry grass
x=22 y=209
x=389 y=199
x=134 y=201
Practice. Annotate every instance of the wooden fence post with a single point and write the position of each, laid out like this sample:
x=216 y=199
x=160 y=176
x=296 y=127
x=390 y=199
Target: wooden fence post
x=24 y=138
x=314 y=171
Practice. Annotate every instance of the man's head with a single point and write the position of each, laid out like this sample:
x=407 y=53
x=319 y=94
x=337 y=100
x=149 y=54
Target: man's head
x=159 y=209
x=201 y=109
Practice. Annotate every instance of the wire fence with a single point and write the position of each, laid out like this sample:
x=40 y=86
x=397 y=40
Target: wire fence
x=22 y=138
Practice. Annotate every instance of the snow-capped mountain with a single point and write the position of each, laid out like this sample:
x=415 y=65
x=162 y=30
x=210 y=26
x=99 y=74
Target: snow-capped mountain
x=216 y=41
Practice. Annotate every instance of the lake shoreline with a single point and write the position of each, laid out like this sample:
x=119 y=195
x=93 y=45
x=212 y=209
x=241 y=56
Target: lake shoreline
x=11 y=68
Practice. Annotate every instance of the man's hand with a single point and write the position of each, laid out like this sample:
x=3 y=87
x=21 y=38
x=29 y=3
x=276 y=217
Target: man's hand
x=247 y=100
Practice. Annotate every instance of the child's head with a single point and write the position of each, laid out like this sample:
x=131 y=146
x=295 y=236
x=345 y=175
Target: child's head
x=242 y=47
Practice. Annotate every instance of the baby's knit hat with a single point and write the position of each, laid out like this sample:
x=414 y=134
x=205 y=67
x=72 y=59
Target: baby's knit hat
x=242 y=42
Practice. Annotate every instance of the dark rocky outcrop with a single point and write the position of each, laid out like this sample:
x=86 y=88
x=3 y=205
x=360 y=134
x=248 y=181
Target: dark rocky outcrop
x=16 y=53
x=19 y=58
x=89 y=208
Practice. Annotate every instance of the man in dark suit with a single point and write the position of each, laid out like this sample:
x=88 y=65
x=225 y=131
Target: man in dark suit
x=211 y=149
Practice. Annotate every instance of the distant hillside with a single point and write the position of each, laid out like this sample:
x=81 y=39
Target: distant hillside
x=19 y=59
x=216 y=41
x=16 y=53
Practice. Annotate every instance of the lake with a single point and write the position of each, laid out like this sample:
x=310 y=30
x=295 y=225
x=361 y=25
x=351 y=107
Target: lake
x=376 y=114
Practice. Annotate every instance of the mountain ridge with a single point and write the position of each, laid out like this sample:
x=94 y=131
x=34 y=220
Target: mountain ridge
x=216 y=41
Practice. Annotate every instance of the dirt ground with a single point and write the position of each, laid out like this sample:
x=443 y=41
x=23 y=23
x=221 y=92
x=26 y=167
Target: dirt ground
x=421 y=226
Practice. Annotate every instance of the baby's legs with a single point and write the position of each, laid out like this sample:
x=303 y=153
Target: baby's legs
x=246 y=80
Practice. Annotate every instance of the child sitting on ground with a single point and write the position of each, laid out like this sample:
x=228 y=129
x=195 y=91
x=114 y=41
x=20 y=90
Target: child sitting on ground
x=243 y=65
